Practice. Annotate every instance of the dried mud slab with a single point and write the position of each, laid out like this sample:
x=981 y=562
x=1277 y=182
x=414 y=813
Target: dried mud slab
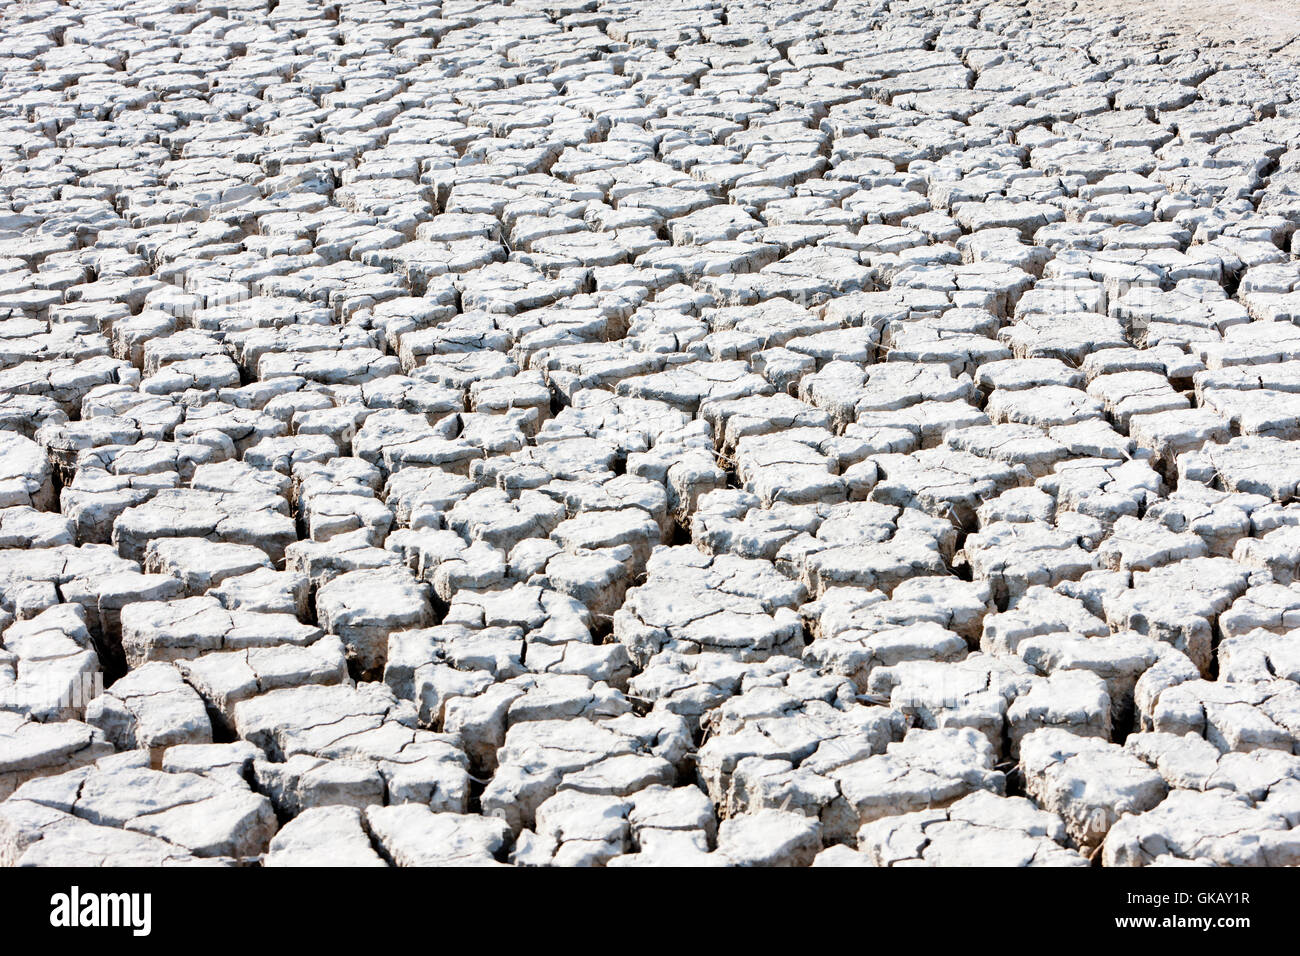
x=585 y=433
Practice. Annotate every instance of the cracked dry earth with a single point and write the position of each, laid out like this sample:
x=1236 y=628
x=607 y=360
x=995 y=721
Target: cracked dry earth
x=560 y=433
